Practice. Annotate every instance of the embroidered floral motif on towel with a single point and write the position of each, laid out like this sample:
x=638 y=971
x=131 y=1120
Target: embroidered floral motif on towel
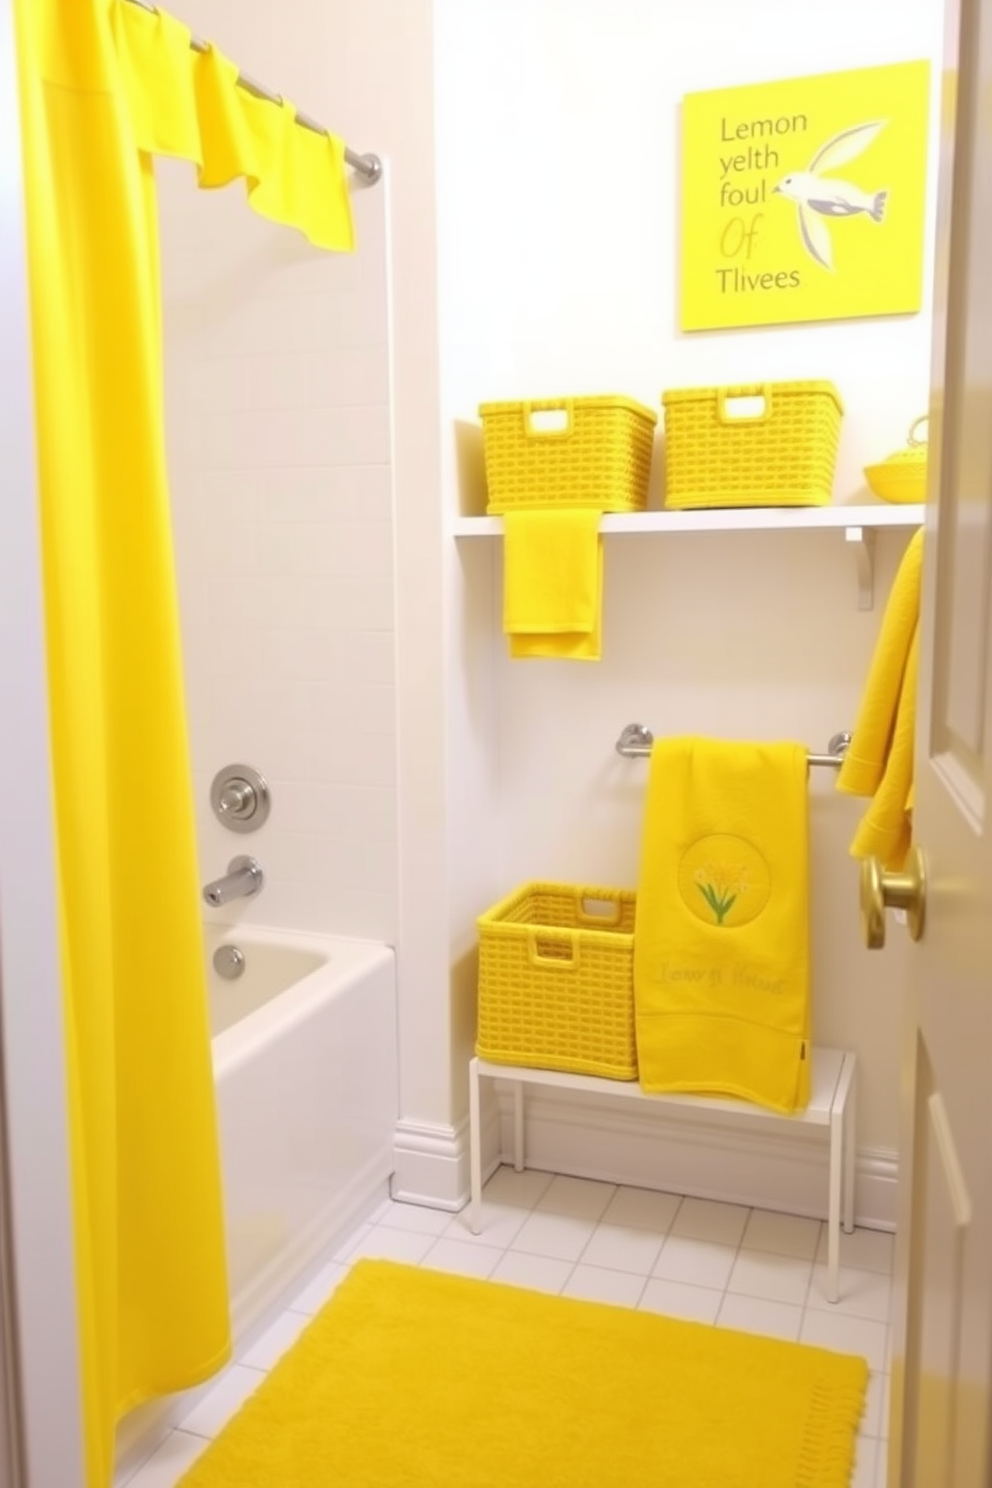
x=724 y=881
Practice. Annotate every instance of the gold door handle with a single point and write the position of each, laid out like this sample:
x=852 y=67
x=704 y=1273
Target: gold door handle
x=881 y=890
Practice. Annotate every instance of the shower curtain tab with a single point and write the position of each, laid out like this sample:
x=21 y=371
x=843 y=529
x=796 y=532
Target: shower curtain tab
x=635 y=743
x=367 y=166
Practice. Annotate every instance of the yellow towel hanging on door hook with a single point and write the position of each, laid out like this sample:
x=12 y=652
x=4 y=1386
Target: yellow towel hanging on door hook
x=880 y=760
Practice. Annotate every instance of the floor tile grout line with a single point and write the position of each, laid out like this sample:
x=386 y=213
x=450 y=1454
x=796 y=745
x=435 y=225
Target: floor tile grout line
x=636 y=1305
x=737 y=1251
x=809 y=1283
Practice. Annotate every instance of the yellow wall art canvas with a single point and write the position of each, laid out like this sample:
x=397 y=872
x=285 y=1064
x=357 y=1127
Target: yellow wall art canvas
x=806 y=199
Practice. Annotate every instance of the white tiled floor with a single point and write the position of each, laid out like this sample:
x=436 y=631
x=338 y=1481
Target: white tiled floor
x=691 y=1258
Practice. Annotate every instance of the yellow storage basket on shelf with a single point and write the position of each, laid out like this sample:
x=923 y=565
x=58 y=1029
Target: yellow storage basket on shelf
x=568 y=452
x=761 y=444
x=556 y=980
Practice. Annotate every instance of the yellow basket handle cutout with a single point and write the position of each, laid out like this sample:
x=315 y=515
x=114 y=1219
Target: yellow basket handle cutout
x=591 y=910
x=726 y=396
x=558 y=421
x=539 y=952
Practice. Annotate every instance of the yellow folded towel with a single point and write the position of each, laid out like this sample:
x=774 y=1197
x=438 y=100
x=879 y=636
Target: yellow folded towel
x=553 y=584
x=721 y=935
x=879 y=762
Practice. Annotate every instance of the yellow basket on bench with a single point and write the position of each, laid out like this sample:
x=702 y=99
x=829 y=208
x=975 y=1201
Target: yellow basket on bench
x=567 y=452
x=556 y=980
x=762 y=444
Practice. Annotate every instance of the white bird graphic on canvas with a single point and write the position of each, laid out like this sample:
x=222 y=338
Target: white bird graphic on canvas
x=825 y=196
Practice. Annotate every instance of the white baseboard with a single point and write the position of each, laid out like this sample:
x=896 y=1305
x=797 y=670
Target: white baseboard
x=682 y=1151
x=430 y=1164
x=876 y=1178
x=676 y=1149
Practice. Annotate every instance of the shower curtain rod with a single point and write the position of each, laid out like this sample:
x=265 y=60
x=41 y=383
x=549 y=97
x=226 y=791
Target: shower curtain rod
x=368 y=166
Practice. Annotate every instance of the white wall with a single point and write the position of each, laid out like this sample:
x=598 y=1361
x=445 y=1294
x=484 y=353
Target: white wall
x=557 y=139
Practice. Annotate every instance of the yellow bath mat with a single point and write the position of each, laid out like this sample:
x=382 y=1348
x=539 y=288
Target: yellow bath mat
x=721 y=935
x=553 y=584
x=412 y=1378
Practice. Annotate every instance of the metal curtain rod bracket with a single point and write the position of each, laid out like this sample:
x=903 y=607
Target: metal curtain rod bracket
x=367 y=166
x=635 y=743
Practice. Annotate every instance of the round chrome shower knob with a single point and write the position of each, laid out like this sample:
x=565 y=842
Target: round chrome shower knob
x=240 y=798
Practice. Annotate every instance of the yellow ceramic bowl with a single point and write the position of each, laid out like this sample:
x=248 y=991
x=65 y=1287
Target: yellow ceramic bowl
x=903 y=476
x=898 y=480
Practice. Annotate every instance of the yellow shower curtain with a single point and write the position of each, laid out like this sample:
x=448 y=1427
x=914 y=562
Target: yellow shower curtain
x=150 y=1265
x=102 y=85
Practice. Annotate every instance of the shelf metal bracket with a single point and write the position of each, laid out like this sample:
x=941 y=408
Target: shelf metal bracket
x=863 y=542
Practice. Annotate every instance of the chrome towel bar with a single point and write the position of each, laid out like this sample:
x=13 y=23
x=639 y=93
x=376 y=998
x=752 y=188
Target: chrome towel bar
x=635 y=743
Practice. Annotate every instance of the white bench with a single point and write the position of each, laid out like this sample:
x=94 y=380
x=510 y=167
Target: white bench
x=831 y=1106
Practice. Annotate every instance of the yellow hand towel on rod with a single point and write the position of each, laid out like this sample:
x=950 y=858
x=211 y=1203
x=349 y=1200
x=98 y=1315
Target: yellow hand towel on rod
x=879 y=761
x=553 y=584
x=721 y=934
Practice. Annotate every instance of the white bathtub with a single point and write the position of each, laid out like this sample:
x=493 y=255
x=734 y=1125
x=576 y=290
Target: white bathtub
x=304 y=1050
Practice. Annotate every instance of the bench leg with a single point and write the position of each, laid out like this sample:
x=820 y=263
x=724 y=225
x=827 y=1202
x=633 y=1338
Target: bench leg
x=833 y=1205
x=474 y=1148
x=518 y=1125
x=850 y=1153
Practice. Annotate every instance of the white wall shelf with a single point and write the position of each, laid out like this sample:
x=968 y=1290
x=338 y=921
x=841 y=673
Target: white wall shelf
x=728 y=520
x=859 y=524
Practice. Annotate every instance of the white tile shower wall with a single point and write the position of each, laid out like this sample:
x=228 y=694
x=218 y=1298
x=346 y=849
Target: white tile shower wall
x=366 y=67
x=277 y=373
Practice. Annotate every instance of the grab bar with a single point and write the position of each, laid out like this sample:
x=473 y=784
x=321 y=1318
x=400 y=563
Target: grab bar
x=635 y=743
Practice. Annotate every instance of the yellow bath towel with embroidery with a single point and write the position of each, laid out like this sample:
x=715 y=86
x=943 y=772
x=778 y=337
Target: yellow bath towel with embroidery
x=721 y=936
x=879 y=762
x=553 y=584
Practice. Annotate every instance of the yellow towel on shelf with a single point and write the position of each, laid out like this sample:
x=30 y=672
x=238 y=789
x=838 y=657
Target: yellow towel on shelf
x=879 y=762
x=553 y=584
x=721 y=936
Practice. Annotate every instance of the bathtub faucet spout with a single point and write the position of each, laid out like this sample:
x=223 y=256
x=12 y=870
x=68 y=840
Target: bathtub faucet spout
x=243 y=878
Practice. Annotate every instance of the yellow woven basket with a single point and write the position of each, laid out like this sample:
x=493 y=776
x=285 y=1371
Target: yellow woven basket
x=763 y=444
x=556 y=980
x=564 y=452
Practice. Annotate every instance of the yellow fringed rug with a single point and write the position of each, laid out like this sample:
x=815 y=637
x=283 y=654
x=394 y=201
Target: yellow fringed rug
x=411 y=1378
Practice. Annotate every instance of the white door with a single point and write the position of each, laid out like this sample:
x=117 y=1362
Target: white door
x=942 y=1340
